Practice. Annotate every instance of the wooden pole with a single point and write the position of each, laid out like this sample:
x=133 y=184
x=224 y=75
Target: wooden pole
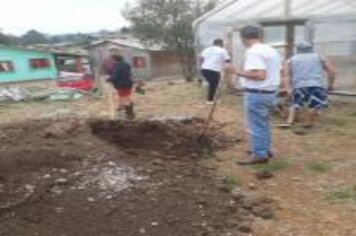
x=290 y=28
x=290 y=39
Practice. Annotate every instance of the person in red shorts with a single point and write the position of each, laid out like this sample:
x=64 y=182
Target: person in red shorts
x=120 y=77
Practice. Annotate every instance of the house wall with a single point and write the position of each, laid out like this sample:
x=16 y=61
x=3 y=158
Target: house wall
x=157 y=63
x=22 y=70
x=164 y=64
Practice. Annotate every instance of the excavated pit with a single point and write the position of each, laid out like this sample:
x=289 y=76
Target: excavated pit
x=74 y=177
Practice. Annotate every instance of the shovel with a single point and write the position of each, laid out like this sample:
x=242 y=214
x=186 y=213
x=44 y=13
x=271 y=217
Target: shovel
x=206 y=126
x=112 y=105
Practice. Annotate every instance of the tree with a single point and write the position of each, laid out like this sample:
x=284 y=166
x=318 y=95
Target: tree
x=56 y=39
x=82 y=39
x=34 y=37
x=6 y=39
x=169 y=23
x=125 y=30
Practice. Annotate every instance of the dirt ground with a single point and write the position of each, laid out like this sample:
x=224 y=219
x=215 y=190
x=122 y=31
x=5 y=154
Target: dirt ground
x=66 y=169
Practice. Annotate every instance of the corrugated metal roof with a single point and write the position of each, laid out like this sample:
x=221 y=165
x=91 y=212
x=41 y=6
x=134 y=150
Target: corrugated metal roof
x=48 y=49
x=132 y=43
x=22 y=48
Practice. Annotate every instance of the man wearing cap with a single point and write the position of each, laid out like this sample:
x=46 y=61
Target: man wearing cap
x=213 y=60
x=304 y=79
x=260 y=79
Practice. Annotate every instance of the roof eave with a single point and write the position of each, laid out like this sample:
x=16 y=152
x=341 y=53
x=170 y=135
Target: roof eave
x=217 y=9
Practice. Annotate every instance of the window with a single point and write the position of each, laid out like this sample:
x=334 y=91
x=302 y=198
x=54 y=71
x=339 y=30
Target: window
x=67 y=64
x=139 y=62
x=74 y=64
x=39 y=63
x=275 y=34
x=6 y=66
x=299 y=32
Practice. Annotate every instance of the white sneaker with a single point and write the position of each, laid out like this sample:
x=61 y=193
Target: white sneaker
x=209 y=103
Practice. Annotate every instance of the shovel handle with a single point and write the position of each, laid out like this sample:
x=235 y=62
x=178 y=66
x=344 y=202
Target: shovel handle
x=213 y=109
x=111 y=105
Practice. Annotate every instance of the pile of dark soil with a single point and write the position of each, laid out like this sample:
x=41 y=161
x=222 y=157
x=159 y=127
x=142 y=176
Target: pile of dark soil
x=74 y=178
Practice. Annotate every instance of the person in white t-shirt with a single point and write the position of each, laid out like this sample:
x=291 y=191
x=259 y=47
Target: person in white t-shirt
x=260 y=78
x=213 y=61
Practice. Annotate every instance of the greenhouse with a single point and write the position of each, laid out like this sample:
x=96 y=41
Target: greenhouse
x=329 y=24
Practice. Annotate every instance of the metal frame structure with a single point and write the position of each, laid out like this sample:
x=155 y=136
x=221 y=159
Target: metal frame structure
x=329 y=24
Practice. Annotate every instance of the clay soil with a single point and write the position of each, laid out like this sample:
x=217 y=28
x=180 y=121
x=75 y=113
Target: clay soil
x=65 y=169
x=76 y=177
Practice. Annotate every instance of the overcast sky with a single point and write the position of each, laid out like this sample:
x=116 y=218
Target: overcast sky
x=61 y=16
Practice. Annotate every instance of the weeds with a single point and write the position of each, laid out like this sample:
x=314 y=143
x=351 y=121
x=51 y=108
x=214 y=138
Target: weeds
x=205 y=147
x=318 y=167
x=335 y=122
x=351 y=113
x=207 y=153
x=232 y=182
x=273 y=166
x=343 y=195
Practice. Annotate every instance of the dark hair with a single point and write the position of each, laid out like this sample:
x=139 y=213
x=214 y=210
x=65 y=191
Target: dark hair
x=218 y=42
x=251 y=32
x=117 y=57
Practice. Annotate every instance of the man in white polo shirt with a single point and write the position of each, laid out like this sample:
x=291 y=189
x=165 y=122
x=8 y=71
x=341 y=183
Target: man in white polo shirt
x=213 y=60
x=260 y=78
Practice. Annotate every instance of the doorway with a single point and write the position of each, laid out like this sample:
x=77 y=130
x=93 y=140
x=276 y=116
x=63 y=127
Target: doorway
x=284 y=35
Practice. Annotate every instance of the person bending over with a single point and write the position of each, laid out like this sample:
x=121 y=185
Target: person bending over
x=213 y=60
x=305 y=82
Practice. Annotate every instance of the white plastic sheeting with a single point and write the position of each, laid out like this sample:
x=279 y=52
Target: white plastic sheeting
x=234 y=13
x=329 y=24
x=18 y=94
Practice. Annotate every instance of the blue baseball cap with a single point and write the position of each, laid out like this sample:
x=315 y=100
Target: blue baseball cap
x=304 y=47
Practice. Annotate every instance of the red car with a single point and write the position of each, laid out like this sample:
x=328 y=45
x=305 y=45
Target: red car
x=75 y=72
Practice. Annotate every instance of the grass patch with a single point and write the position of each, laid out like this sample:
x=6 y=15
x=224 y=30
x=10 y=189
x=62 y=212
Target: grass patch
x=205 y=147
x=335 y=122
x=3 y=108
x=207 y=153
x=232 y=182
x=351 y=113
x=343 y=195
x=273 y=166
x=318 y=167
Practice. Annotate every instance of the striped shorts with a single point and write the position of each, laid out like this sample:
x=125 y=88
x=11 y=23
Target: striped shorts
x=315 y=98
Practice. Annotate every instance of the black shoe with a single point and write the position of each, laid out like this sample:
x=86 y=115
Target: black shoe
x=130 y=114
x=308 y=126
x=270 y=154
x=253 y=161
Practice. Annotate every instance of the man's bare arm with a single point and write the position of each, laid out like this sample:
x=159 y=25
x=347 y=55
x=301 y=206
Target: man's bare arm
x=331 y=73
x=286 y=78
x=258 y=75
